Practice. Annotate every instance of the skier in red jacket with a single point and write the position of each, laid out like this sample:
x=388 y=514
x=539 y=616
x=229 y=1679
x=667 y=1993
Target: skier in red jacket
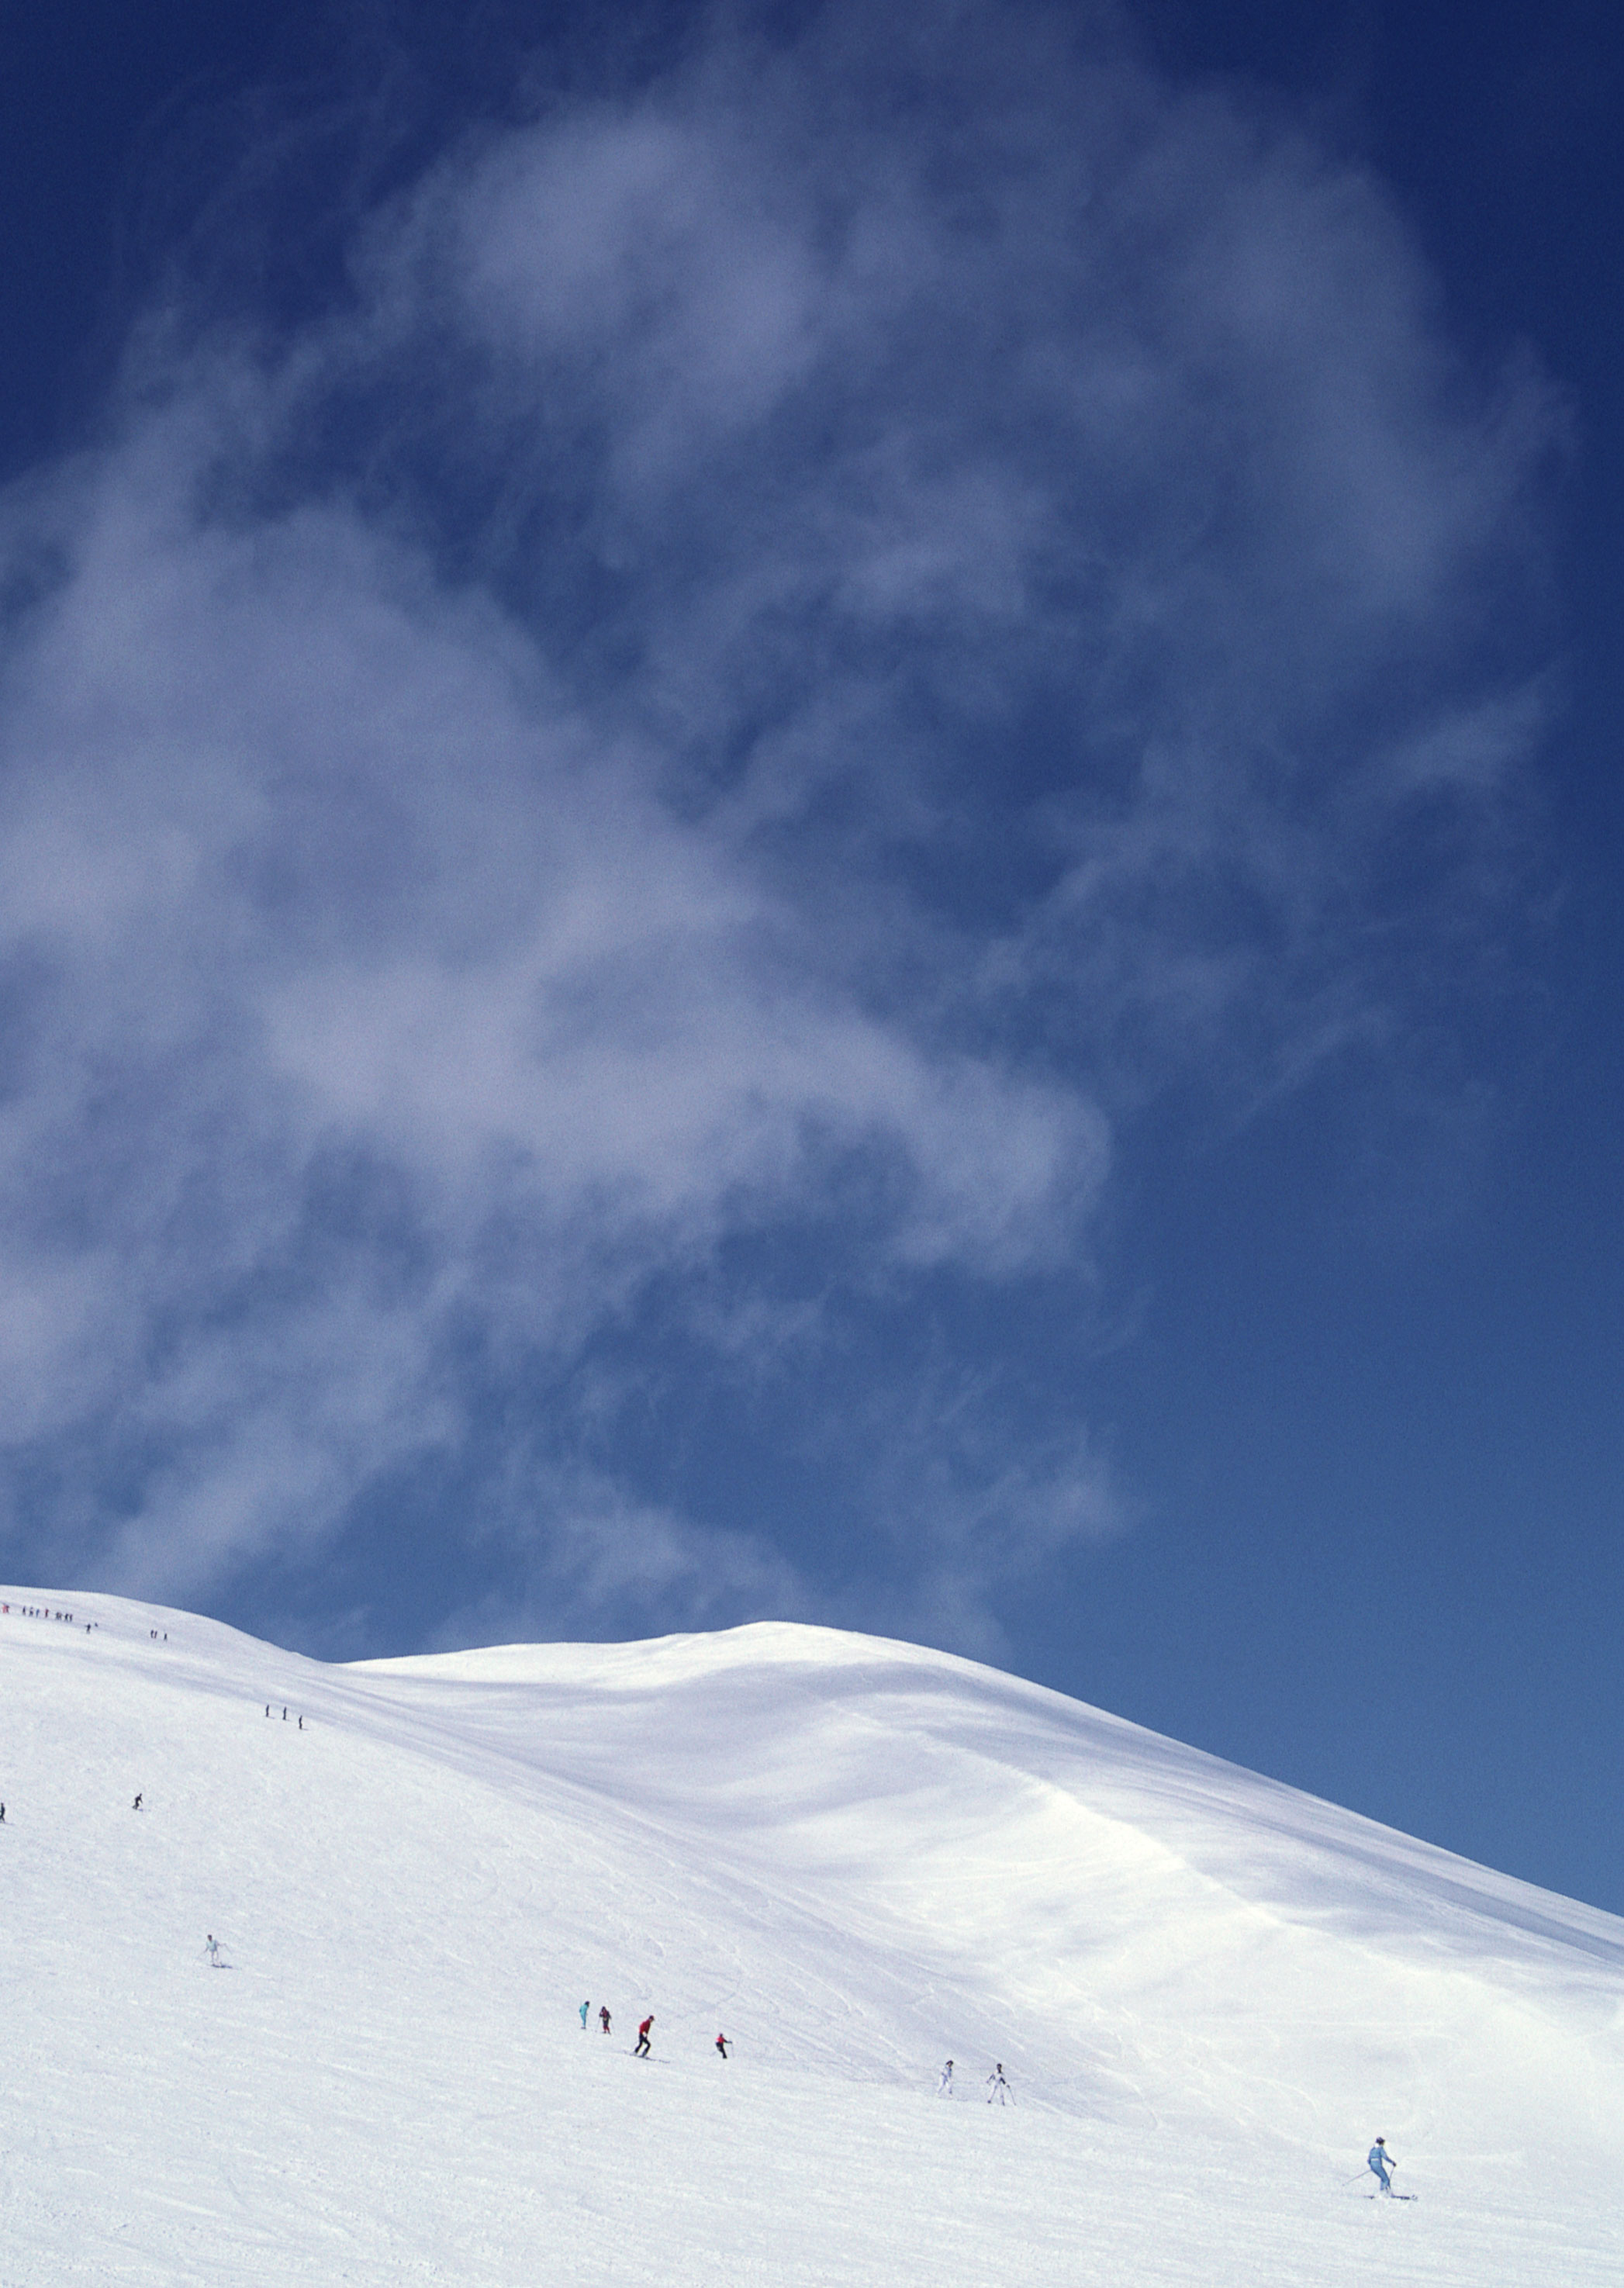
x=643 y=2049
x=722 y=2043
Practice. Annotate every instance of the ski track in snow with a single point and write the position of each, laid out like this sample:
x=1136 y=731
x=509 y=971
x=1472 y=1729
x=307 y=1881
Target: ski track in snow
x=857 y=1858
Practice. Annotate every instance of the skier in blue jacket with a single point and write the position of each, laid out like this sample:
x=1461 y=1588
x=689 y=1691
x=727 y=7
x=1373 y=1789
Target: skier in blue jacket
x=1381 y=2161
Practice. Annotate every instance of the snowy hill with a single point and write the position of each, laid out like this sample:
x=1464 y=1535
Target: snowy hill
x=857 y=1858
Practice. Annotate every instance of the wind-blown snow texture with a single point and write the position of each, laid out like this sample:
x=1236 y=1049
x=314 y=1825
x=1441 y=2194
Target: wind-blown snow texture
x=857 y=1858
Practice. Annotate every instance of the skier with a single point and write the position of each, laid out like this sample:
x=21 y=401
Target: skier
x=722 y=2043
x=2 y=1815
x=268 y=1708
x=284 y=1715
x=999 y=2087
x=136 y=1806
x=213 y=1951
x=603 y=2017
x=585 y=2008
x=301 y=1723
x=944 y=2088
x=1380 y=2161
x=643 y=2049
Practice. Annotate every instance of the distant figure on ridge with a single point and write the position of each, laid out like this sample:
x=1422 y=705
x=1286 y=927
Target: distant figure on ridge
x=136 y=1806
x=585 y=2008
x=2 y=1815
x=722 y=2043
x=644 y=2049
x=603 y=2017
x=1380 y=2161
x=944 y=2088
x=268 y=1708
x=998 y=2087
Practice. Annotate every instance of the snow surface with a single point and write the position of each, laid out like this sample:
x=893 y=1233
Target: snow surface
x=857 y=1858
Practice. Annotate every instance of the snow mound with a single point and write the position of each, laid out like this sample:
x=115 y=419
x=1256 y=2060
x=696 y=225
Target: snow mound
x=855 y=1857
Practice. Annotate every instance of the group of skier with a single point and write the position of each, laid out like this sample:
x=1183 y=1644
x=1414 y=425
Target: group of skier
x=643 y=2047
x=997 y=2088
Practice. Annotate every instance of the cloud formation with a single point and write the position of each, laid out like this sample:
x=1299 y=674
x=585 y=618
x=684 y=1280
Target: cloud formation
x=815 y=628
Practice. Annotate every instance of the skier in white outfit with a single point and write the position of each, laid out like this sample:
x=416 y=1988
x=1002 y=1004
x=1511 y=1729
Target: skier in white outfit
x=998 y=2088
x=944 y=2088
x=213 y=1951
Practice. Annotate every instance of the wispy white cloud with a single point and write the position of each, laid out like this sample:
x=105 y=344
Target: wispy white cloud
x=622 y=1565
x=811 y=632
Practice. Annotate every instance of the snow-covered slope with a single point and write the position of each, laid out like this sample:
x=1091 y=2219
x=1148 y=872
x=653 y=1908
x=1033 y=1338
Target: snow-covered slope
x=857 y=1858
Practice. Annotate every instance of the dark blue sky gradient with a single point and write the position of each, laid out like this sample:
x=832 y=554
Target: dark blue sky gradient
x=1354 y=1355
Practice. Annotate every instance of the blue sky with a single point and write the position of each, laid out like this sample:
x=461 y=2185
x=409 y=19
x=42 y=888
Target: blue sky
x=811 y=820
